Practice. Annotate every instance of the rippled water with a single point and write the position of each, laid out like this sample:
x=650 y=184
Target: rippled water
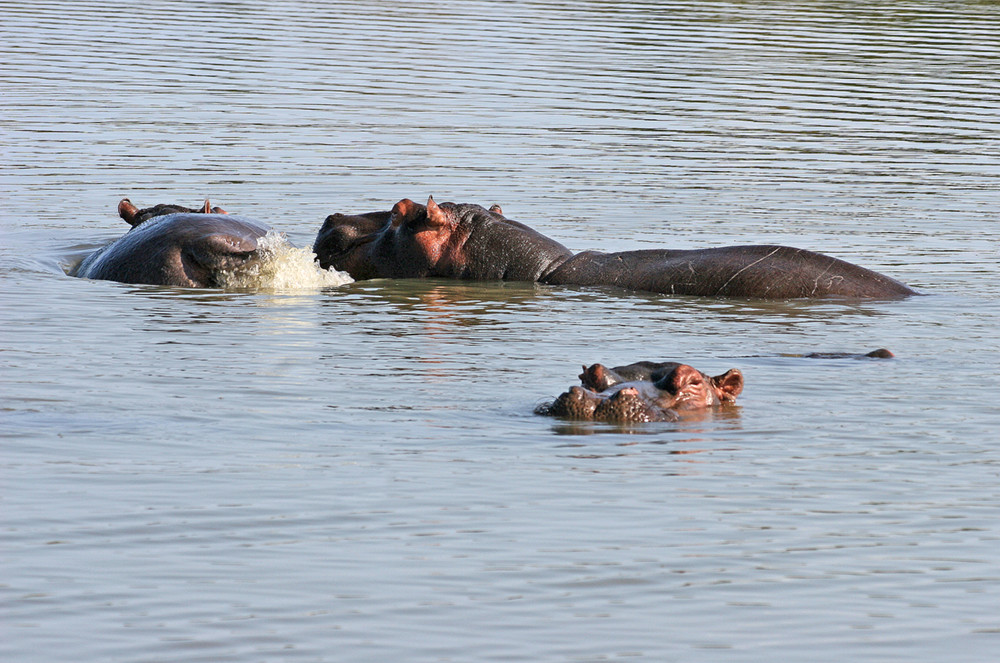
x=354 y=472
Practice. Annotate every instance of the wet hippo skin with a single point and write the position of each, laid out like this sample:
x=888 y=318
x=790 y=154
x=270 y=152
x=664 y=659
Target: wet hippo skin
x=644 y=392
x=174 y=245
x=467 y=241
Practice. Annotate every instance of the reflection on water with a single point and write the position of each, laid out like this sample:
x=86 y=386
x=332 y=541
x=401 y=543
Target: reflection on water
x=702 y=422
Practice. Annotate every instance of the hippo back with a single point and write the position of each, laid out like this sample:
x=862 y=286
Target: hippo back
x=752 y=271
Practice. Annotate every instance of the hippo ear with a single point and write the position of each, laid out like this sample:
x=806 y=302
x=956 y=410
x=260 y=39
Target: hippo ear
x=729 y=385
x=208 y=209
x=496 y=209
x=403 y=211
x=129 y=212
x=598 y=377
x=436 y=217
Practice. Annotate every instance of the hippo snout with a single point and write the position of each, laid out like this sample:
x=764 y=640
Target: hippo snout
x=342 y=233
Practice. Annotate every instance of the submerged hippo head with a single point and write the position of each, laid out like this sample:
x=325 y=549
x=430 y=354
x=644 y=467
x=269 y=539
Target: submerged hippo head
x=134 y=216
x=173 y=245
x=438 y=240
x=652 y=392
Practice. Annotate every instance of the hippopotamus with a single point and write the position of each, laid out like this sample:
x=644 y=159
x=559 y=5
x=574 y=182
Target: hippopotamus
x=643 y=392
x=174 y=245
x=467 y=241
x=881 y=353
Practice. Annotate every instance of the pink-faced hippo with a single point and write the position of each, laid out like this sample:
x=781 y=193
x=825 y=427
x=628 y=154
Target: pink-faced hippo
x=174 y=245
x=643 y=392
x=470 y=242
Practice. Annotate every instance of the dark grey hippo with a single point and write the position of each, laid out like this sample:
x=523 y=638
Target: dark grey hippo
x=470 y=242
x=174 y=245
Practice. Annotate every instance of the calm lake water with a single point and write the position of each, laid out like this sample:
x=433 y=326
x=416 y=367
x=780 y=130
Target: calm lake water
x=354 y=473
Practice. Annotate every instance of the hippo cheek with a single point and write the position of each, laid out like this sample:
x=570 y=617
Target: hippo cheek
x=695 y=397
x=202 y=261
x=355 y=259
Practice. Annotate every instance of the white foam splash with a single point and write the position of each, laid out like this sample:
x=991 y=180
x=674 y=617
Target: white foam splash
x=281 y=267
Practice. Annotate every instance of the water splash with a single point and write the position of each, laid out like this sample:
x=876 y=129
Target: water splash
x=281 y=267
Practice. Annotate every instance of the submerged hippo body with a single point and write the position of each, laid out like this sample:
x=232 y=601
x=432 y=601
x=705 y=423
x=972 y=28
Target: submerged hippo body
x=644 y=392
x=174 y=245
x=759 y=271
x=467 y=241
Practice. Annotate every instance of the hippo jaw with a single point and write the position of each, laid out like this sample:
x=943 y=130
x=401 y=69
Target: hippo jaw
x=204 y=261
x=342 y=242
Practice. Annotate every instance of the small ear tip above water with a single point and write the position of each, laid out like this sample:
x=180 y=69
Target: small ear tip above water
x=128 y=211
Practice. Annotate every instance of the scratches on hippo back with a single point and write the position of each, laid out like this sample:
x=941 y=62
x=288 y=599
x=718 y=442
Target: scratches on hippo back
x=829 y=282
x=721 y=291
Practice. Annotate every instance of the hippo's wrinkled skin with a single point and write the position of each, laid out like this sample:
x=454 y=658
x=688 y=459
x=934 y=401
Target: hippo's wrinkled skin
x=644 y=392
x=174 y=245
x=469 y=242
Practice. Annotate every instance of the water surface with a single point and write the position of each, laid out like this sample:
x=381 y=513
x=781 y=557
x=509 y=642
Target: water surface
x=354 y=473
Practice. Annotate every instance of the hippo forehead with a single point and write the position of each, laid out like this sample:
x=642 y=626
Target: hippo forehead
x=472 y=215
x=340 y=231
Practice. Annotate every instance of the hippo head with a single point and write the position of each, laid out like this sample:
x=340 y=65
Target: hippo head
x=657 y=392
x=134 y=216
x=446 y=240
x=175 y=245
